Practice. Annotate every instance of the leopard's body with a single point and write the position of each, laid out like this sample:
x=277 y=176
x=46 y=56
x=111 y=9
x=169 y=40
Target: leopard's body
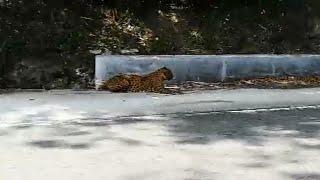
x=153 y=82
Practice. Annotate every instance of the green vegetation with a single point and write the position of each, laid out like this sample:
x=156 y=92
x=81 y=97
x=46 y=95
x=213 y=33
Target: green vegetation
x=52 y=43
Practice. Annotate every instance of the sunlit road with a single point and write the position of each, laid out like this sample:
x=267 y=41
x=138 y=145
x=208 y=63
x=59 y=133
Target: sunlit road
x=238 y=134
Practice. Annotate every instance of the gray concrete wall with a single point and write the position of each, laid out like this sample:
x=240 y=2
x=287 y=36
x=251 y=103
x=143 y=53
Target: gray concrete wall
x=209 y=68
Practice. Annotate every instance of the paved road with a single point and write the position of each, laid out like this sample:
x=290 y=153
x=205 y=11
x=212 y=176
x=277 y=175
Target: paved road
x=69 y=135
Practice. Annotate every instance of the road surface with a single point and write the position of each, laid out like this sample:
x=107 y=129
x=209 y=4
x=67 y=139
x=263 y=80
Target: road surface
x=225 y=134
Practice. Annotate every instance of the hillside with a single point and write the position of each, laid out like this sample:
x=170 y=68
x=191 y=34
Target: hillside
x=52 y=43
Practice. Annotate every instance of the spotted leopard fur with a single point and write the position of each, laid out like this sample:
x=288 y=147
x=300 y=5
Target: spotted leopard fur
x=153 y=82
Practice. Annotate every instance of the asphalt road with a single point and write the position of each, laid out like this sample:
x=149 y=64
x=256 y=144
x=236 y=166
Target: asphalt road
x=72 y=135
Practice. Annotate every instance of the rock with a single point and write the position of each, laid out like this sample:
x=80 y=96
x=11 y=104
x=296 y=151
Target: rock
x=129 y=51
x=95 y=52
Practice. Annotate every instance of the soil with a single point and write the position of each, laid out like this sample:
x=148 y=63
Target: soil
x=286 y=82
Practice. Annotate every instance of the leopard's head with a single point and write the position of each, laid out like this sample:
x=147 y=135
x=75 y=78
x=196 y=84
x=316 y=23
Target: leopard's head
x=167 y=73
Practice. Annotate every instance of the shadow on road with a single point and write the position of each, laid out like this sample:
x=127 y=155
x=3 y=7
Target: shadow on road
x=251 y=128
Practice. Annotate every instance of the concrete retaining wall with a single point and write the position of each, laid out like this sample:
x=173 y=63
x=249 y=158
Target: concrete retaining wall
x=209 y=68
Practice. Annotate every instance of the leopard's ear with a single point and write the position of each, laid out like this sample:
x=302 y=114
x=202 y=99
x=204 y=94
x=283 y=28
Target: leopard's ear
x=168 y=74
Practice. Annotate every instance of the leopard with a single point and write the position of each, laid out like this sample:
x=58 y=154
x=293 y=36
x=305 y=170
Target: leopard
x=152 y=82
